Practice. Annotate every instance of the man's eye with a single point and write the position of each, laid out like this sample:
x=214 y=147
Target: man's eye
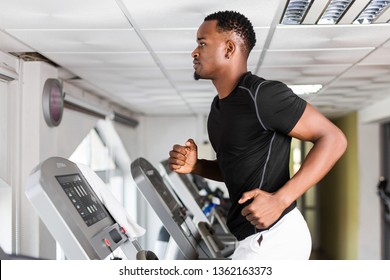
x=202 y=44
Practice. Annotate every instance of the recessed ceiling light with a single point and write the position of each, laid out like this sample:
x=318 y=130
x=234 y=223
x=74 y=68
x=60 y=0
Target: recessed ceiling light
x=334 y=12
x=372 y=11
x=296 y=11
x=305 y=89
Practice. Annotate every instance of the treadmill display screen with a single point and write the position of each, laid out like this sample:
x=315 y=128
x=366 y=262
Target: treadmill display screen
x=83 y=198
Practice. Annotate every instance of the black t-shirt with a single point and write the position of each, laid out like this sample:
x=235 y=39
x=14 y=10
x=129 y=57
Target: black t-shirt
x=248 y=131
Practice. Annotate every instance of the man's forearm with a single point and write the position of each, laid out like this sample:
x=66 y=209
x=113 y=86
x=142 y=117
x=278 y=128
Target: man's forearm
x=316 y=165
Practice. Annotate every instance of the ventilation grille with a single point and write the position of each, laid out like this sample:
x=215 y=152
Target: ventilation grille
x=7 y=74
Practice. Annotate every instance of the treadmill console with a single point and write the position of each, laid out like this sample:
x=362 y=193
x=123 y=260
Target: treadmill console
x=72 y=211
x=83 y=198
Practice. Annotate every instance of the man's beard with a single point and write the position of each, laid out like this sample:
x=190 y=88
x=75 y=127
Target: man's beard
x=197 y=76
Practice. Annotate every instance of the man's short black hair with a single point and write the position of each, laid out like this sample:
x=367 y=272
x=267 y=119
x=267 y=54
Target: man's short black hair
x=238 y=23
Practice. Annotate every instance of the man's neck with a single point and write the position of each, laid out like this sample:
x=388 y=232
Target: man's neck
x=227 y=83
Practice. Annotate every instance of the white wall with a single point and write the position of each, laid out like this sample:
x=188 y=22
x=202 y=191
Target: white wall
x=369 y=150
x=3 y=130
x=159 y=134
x=129 y=139
x=9 y=66
x=369 y=172
x=30 y=142
x=6 y=216
x=73 y=129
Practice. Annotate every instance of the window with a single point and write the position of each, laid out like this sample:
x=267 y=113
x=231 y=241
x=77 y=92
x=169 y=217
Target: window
x=101 y=155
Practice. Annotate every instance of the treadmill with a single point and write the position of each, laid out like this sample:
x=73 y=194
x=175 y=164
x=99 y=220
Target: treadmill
x=189 y=239
x=68 y=199
x=188 y=193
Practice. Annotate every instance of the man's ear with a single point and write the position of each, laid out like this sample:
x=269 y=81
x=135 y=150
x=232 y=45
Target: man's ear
x=230 y=48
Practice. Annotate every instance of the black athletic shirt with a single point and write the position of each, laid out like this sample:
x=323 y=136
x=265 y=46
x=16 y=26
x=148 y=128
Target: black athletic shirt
x=248 y=131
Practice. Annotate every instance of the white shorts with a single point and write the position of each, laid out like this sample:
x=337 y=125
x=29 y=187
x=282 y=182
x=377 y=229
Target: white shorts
x=288 y=239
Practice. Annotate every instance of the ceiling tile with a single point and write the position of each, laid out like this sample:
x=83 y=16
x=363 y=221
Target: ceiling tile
x=118 y=40
x=314 y=57
x=329 y=36
x=315 y=74
x=9 y=44
x=380 y=56
x=54 y=14
x=103 y=62
x=190 y=14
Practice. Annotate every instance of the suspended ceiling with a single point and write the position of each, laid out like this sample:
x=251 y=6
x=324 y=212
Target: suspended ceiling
x=138 y=53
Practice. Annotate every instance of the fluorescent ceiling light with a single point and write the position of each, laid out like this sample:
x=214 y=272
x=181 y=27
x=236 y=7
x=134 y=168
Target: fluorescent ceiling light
x=296 y=11
x=305 y=89
x=335 y=10
x=372 y=11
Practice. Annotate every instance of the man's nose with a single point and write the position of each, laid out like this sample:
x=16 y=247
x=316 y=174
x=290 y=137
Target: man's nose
x=195 y=54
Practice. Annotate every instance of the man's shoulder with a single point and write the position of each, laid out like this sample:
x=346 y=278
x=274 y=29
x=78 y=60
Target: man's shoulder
x=253 y=82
